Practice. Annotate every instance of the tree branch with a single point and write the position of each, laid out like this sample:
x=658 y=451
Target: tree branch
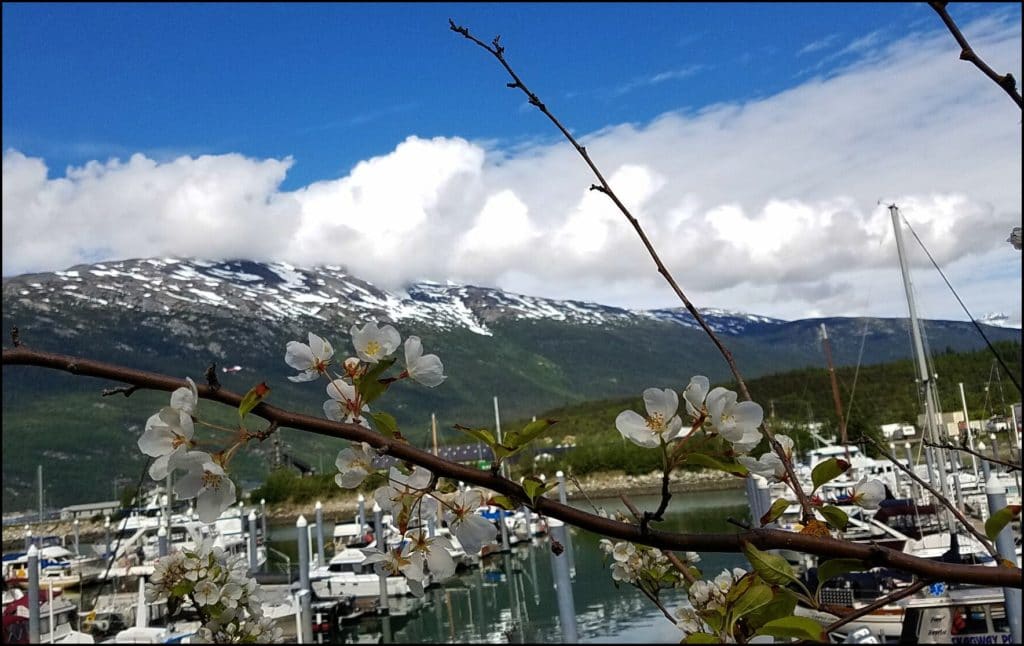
x=967 y=53
x=1009 y=465
x=499 y=53
x=893 y=596
x=761 y=538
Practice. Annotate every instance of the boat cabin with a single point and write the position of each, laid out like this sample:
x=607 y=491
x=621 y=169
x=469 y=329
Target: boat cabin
x=967 y=616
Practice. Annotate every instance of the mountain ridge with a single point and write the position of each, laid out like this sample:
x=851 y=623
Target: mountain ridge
x=178 y=316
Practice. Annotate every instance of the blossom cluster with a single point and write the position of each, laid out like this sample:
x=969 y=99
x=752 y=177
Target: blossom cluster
x=707 y=598
x=408 y=496
x=168 y=437
x=716 y=410
x=373 y=344
x=410 y=499
x=642 y=565
x=219 y=588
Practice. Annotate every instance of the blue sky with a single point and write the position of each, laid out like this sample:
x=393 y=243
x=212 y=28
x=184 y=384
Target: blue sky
x=332 y=84
x=284 y=104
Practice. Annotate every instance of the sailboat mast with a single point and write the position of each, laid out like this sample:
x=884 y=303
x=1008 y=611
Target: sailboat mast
x=835 y=391
x=915 y=333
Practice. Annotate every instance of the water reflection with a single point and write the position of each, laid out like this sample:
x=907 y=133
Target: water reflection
x=511 y=597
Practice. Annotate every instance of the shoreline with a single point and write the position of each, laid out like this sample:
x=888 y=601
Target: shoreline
x=598 y=486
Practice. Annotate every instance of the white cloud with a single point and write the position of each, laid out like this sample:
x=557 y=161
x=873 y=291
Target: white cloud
x=771 y=206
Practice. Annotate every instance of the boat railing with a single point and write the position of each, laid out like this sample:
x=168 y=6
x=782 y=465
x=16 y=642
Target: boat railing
x=285 y=567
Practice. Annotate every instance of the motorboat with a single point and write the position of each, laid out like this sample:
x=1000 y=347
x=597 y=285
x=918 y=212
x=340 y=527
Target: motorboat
x=57 y=618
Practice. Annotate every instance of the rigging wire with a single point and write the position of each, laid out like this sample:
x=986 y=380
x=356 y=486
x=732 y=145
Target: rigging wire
x=856 y=372
x=966 y=311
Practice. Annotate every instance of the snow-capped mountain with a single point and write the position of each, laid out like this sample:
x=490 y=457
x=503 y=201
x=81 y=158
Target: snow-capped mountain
x=280 y=291
x=177 y=316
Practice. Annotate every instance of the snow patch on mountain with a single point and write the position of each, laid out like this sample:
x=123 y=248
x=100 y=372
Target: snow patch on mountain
x=283 y=291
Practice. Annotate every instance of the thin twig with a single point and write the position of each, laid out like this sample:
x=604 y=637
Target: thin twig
x=576 y=482
x=499 y=53
x=967 y=53
x=739 y=523
x=631 y=507
x=987 y=544
x=764 y=539
x=1009 y=465
x=656 y=601
x=127 y=391
x=678 y=564
x=265 y=433
x=896 y=595
x=666 y=495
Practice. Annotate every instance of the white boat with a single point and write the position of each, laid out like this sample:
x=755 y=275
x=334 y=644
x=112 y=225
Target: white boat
x=135 y=545
x=970 y=615
x=347 y=574
x=58 y=567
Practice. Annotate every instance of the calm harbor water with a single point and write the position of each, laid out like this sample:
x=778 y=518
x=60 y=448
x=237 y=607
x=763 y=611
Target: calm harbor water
x=511 y=598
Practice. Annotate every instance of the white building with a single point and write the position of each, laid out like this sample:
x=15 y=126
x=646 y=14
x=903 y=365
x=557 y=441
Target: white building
x=898 y=431
x=951 y=422
x=88 y=510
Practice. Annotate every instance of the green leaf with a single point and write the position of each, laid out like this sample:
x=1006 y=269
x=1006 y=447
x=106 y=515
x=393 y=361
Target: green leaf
x=835 y=516
x=997 y=521
x=778 y=507
x=370 y=387
x=781 y=605
x=252 y=399
x=828 y=470
x=837 y=567
x=535 y=487
x=735 y=468
x=378 y=369
x=757 y=596
x=771 y=567
x=385 y=422
x=794 y=628
x=515 y=440
x=481 y=434
x=700 y=638
x=503 y=501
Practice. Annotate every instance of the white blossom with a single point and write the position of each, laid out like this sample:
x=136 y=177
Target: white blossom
x=399 y=562
x=435 y=553
x=661 y=423
x=730 y=419
x=354 y=464
x=868 y=493
x=426 y=369
x=372 y=343
x=167 y=432
x=343 y=405
x=207 y=482
x=472 y=529
x=402 y=490
x=311 y=360
x=694 y=395
x=186 y=399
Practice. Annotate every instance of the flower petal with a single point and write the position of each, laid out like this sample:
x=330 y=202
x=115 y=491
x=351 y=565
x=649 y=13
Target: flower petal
x=634 y=428
x=664 y=402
